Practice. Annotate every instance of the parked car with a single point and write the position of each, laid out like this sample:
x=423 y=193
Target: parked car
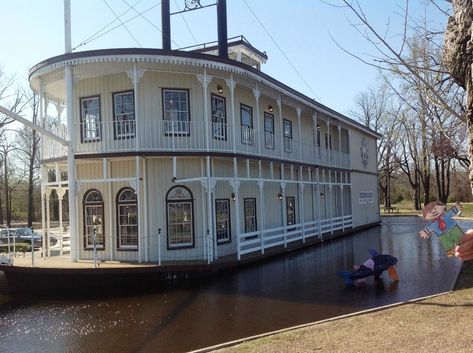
x=24 y=235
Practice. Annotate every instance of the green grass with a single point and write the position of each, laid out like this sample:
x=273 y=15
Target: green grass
x=408 y=209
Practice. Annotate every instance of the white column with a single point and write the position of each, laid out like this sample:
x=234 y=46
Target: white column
x=106 y=165
x=339 y=161
x=67 y=26
x=60 y=195
x=330 y=200
x=261 y=203
x=284 y=212
x=48 y=222
x=301 y=201
x=299 y=111
x=203 y=202
x=235 y=183
x=341 y=202
x=327 y=149
x=257 y=94
x=43 y=209
x=204 y=80
x=279 y=103
x=146 y=232
x=135 y=75
x=210 y=226
x=71 y=164
x=317 y=191
x=139 y=207
x=316 y=131
x=231 y=85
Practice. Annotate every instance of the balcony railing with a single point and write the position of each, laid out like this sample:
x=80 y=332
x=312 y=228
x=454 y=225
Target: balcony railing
x=180 y=136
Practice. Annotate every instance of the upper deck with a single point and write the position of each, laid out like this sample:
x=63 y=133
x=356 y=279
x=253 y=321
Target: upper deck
x=184 y=102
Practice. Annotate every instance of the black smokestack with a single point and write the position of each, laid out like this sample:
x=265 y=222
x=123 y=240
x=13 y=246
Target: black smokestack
x=166 y=24
x=222 y=28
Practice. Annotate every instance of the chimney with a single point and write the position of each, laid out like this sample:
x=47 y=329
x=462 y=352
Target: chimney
x=166 y=24
x=221 y=26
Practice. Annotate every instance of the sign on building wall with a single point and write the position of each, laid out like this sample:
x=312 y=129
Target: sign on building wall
x=365 y=197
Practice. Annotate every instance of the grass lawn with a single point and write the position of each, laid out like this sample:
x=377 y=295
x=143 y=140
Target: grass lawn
x=405 y=209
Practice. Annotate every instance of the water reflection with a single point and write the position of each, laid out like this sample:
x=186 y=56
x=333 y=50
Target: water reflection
x=295 y=289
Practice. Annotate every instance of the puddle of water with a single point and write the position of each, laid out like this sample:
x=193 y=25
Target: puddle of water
x=290 y=290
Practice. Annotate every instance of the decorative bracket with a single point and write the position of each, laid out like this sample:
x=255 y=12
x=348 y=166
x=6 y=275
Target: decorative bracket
x=260 y=185
x=235 y=184
x=139 y=74
x=204 y=79
x=283 y=185
x=231 y=83
x=133 y=184
x=301 y=187
x=257 y=93
x=299 y=112
x=60 y=193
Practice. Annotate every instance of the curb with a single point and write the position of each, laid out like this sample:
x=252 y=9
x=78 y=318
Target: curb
x=292 y=328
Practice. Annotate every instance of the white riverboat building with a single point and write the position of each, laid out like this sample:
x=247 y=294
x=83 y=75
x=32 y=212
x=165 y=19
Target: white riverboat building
x=195 y=155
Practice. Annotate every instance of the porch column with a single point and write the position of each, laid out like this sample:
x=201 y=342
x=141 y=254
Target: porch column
x=209 y=185
x=146 y=232
x=327 y=146
x=135 y=75
x=339 y=145
x=301 y=202
x=261 y=197
x=284 y=212
x=60 y=195
x=106 y=175
x=235 y=184
x=279 y=102
x=71 y=164
x=231 y=83
x=316 y=129
x=330 y=201
x=257 y=94
x=341 y=202
x=203 y=190
x=48 y=222
x=204 y=80
x=43 y=210
x=317 y=191
x=139 y=207
x=299 y=111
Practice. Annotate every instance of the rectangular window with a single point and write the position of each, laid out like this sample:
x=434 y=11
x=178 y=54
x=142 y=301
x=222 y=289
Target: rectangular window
x=180 y=224
x=287 y=130
x=250 y=215
x=246 y=116
x=124 y=115
x=222 y=217
x=91 y=128
x=219 y=118
x=127 y=226
x=291 y=210
x=176 y=111
x=269 y=130
x=94 y=222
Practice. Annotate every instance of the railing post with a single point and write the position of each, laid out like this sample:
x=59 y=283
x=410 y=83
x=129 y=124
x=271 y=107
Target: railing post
x=159 y=246
x=32 y=249
x=95 y=246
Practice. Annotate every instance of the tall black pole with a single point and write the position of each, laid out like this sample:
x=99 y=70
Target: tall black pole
x=166 y=24
x=222 y=28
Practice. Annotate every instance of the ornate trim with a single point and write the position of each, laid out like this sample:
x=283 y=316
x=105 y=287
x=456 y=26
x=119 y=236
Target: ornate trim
x=133 y=184
x=204 y=79
x=231 y=83
x=139 y=74
x=235 y=184
x=257 y=93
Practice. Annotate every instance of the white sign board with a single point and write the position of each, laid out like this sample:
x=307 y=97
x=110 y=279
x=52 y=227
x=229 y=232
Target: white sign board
x=365 y=197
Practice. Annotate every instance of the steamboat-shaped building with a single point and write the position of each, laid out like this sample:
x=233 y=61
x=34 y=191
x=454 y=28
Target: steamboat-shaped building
x=197 y=155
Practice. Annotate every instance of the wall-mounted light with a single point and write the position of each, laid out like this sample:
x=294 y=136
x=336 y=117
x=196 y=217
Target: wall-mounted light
x=318 y=127
x=270 y=108
x=233 y=196
x=322 y=195
x=220 y=89
x=279 y=196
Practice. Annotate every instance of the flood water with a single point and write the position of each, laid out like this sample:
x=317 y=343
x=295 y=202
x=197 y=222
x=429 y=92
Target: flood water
x=290 y=290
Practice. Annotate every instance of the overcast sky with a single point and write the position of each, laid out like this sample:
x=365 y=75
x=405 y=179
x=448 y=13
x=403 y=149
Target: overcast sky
x=301 y=29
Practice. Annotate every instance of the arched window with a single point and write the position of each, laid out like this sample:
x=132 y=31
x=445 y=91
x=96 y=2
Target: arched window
x=180 y=218
x=127 y=219
x=93 y=220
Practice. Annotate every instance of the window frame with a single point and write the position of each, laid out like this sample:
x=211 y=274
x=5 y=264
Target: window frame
x=217 y=137
x=116 y=135
x=187 y=201
x=228 y=239
x=245 y=216
x=185 y=132
x=249 y=127
x=268 y=116
x=84 y=122
x=287 y=137
x=118 y=204
x=85 y=205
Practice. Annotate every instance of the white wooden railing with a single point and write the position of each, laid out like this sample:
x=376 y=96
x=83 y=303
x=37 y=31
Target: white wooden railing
x=171 y=136
x=259 y=241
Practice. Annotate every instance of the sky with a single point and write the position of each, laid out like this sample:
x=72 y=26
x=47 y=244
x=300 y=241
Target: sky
x=303 y=35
